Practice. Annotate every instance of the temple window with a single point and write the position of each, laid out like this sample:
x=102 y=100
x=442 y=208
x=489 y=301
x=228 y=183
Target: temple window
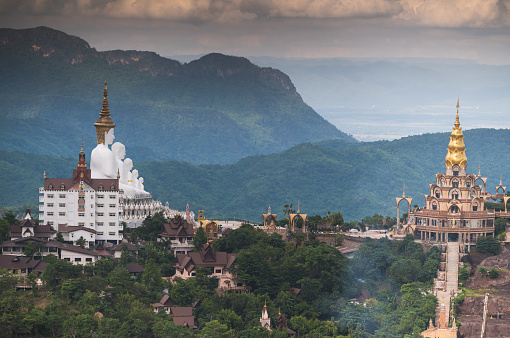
x=475 y=207
x=112 y=187
x=468 y=183
x=101 y=188
x=455 y=173
x=438 y=194
x=50 y=187
x=434 y=206
x=454 y=209
x=62 y=187
x=455 y=196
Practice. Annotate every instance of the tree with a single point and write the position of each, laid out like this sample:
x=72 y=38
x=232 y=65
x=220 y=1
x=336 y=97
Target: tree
x=487 y=244
x=81 y=242
x=493 y=273
x=499 y=226
x=4 y=229
x=215 y=329
x=30 y=250
x=60 y=237
x=199 y=239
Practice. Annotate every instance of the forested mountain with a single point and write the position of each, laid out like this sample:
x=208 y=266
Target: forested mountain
x=217 y=109
x=359 y=179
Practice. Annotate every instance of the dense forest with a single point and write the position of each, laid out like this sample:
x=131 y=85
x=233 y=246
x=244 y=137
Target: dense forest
x=358 y=179
x=217 y=109
x=104 y=300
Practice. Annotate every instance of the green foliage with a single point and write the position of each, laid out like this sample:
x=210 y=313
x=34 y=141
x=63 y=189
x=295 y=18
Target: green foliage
x=488 y=244
x=81 y=242
x=463 y=274
x=151 y=227
x=499 y=226
x=30 y=249
x=482 y=271
x=494 y=273
x=199 y=239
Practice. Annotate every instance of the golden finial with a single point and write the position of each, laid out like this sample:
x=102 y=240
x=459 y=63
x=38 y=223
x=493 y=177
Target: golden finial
x=479 y=173
x=81 y=152
x=118 y=173
x=298 y=207
x=269 y=209
x=457 y=122
x=104 y=123
x=44 y=174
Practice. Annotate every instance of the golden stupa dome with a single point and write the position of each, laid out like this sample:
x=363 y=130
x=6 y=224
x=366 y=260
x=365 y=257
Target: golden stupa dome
x=456 y=148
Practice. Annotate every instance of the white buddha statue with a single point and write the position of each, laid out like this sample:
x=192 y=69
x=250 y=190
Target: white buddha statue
x=129 y=189
x=135 y=183
x=119 y=151
x=142 y=188
x=102 y=160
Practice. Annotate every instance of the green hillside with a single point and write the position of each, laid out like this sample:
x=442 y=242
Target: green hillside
x=359 y=179
x=217 y=109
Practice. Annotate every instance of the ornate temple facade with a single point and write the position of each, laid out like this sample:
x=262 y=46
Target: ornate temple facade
x=455 y=208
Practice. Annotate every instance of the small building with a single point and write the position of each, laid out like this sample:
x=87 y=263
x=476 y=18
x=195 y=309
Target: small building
x=130 y=247
x=29 y=228
x=21 y=266
x=134 y=269
x=76 y=254
x=207 y=257
x=72 y=234
x=363 y=296
x=180 y=233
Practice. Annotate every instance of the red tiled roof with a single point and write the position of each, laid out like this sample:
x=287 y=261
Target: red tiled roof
x=134 y=268
x=129 y=247
x=181 y=311
x=94 y=183
x=18 y=262
x=67 y=228
x=178 y=227
x=188 y=321
x=206 y=257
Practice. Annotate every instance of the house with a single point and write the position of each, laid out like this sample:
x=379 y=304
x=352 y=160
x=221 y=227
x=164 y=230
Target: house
x=207 y=257
x=180 y=233
x=72 y=234
x=131 y=248
x=21 y=266
x=363 y=296
x=181 y=315
x=134 y=269
x=29 y=228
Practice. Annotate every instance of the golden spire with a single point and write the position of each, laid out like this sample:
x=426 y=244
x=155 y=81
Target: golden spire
x=81 y=151
x=404 y=192
x=104 y=123
x=456 y=148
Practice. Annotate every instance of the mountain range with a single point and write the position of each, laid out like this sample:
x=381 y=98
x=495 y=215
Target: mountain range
x=217 y=109
x=357 y=178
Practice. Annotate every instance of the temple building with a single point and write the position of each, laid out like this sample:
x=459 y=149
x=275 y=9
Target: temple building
x=95 y=201
x=455 y=208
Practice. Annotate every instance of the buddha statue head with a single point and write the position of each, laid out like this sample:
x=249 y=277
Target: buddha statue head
x=119 y=150
x=104 y=124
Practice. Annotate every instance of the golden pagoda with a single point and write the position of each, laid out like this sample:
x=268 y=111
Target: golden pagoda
x=455 y=208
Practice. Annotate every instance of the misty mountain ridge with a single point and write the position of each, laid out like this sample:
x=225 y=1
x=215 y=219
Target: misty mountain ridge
x=358 y=178
x=217 y=109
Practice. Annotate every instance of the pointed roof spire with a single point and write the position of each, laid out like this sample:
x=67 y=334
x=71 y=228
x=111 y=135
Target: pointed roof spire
x=118 y=173
x=479 y=173
x=104 y=123
x=501 y=180
x=44 y=174
x=457 y=122
x=81 y=152
x=269 y=209
x=298 y=207
x=187 y=213
x=404 y=192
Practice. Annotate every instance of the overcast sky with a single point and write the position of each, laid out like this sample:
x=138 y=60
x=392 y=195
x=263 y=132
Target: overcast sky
x=469 y=29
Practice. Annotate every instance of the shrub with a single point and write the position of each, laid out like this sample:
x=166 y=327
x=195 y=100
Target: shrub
x=494 y=273
x=487 y=244
x=482 y=271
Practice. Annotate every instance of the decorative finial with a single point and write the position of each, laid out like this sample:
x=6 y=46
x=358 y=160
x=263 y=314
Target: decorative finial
x=269 y=209
x=104 y=123
x=457 y=122
x=404 y=192
x=81 y=152
x=279 y=311
x=479 y=174
x=118 y=173
x=44 y=174
x=298 y=207
x=187 y=213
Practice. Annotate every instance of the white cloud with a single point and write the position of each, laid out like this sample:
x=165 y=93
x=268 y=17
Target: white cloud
x=429 y=13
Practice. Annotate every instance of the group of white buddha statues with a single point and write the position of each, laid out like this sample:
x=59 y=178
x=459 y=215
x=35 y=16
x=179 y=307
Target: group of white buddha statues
x=106 y=163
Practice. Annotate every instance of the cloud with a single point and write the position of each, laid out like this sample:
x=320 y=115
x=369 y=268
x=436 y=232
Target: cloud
x=428 y=13
x=456 y=13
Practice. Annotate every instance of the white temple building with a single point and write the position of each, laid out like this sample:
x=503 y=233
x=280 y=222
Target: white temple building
x=99 y=199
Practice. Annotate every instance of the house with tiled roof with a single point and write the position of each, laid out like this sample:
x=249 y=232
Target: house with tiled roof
x=207 y=257
x=21 y=266
x=29 y=228
x=179 y=232
x=181 y=315
x=130 y=247
x=72 y=234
